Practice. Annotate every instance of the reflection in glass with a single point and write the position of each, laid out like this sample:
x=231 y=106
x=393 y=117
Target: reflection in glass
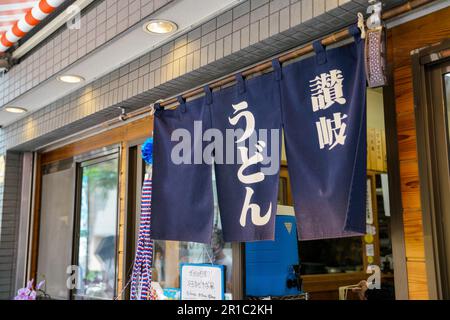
x=97 y=234
x=56 y=228
x=342 y=255
x=170 y=254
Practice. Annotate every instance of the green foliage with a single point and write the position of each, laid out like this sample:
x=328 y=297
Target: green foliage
x=101 y=177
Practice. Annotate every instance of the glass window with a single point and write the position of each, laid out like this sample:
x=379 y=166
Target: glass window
x=168 y=256
x=96 y=248
x=331 y=256
x=384 y=224
x=346 y=255
x=342 y=255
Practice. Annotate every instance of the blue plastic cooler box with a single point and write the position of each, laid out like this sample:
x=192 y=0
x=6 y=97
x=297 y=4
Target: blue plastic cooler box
x=270 y=264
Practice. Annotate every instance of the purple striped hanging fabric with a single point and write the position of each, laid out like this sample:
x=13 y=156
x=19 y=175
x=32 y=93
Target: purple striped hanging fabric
x=142 y=270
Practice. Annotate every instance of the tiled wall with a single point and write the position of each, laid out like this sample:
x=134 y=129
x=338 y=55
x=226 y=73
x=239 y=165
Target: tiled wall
x=9 y=212
x=252 y=31
x=246 y=34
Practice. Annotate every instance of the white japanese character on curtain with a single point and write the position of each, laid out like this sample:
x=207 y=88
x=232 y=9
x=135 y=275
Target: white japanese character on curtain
x=247 y=161
x=332 y=132
x=327 y=89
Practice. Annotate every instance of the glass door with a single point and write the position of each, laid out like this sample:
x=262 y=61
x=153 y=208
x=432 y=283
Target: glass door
x=439 y=81
x=96 y=228
x=168 y=255
x=432 y=98
x=56 y=227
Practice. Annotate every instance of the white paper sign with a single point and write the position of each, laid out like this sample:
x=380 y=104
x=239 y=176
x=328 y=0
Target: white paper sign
x=370 y=250
x=370 y=229
x=385 y=187
x=202 y=282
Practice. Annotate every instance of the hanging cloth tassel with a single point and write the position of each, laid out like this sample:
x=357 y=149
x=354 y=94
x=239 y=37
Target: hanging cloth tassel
x=375 y=47
x=141 y=278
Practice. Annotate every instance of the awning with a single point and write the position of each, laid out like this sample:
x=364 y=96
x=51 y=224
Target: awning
x=18 y=17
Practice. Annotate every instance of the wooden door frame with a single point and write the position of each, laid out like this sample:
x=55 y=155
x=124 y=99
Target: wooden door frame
x=102 y=155
x=429 y=184
x=395 y=195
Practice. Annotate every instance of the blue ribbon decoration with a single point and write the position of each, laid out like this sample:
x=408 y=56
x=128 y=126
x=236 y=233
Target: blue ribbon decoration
x=147 y=151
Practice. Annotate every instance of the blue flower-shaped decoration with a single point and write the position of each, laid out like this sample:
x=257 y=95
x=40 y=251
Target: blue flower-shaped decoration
x=147 y=151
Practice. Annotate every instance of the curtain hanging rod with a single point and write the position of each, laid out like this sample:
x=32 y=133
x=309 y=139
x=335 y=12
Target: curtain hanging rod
x=290 y=55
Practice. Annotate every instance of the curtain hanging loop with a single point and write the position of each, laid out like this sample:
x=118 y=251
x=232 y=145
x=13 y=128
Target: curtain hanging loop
x=355 y=31
x=158 y=108
x=181 y=107
x=155 y=106
x=240 y=83
x=276 y=65
x=208 y=95
x=321 y=54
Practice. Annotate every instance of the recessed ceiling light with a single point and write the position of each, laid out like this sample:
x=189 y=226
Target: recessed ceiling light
x=12 y=109
x=160 y=26
x=70 y=78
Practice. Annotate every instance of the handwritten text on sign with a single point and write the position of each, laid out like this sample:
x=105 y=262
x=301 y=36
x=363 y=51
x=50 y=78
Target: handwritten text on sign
x=201 y=282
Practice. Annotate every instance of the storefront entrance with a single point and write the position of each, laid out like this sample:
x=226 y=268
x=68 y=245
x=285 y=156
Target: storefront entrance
x=78 y=226
x=88 y=196
x=322 y=266
x=89 y=209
